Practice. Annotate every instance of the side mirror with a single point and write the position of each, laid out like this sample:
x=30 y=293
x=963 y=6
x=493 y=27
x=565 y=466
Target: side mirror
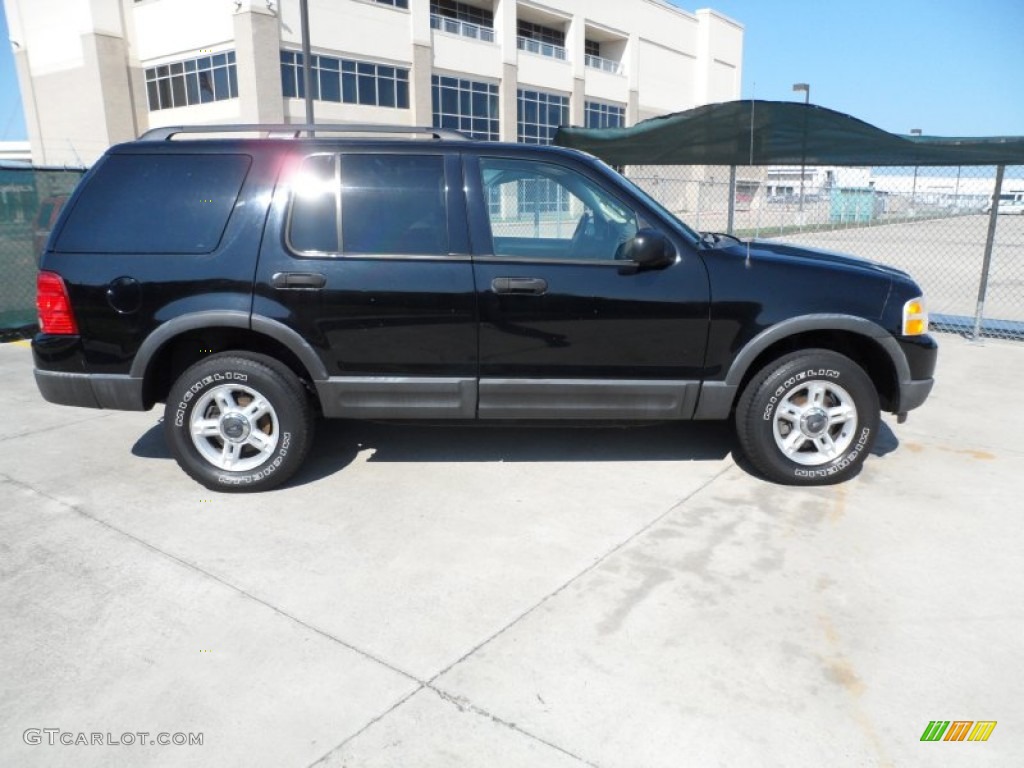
x=649 y=249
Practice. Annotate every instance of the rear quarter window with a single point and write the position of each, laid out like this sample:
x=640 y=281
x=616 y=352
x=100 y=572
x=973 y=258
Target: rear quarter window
x=168 y=203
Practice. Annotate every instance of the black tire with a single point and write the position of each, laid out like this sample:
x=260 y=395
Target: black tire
x=809 y=418
x=258 y=422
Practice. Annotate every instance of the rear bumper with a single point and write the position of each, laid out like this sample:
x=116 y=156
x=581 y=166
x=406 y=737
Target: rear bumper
x=122 y=393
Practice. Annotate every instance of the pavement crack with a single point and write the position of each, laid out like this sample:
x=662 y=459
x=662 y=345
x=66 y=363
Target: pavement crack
x=462 y=704
x=465 y=705
x=214 y=577
x=597 y=562
x=370 y=724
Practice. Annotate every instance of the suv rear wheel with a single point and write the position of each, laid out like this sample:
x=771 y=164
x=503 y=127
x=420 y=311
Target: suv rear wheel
x=238 y=422
x=809 y=418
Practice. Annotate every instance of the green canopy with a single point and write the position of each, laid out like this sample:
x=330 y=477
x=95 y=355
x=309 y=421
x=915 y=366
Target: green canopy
x=780 y=133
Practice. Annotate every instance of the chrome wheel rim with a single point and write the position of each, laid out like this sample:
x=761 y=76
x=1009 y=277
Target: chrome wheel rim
x=234 y=427
x=815 y=423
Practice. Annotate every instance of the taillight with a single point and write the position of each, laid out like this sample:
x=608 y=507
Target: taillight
x=53 y=305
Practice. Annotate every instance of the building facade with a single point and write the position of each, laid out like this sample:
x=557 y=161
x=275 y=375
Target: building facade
x=15 y=152
x=96 y=72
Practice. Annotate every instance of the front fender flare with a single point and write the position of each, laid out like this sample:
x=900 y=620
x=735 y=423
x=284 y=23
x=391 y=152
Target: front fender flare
x=717 y=397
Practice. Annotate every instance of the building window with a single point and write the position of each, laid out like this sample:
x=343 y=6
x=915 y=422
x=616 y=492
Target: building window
x=395 y=3
x=345 y=81
x=600 y=115
x=460 y=19
x=541 y=40
x=541 y=33
x=194 y=81
x=467 y=106
x=452 y=9
x=593 y=59
x=539 y=116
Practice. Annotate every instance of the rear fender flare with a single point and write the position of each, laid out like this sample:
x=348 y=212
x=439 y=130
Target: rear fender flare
x=226 y=318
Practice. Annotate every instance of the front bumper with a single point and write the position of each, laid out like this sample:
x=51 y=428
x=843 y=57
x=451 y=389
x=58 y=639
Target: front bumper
x=921 y=353
x=914 y=393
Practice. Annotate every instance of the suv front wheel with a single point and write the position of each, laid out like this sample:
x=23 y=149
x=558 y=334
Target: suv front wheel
x=238 y=422
x=809 y=418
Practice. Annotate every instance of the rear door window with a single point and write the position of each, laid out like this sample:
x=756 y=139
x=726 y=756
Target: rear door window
x=167 y=203
x=370 y=204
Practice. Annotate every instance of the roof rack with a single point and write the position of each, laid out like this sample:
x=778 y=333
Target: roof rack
x=293 y=130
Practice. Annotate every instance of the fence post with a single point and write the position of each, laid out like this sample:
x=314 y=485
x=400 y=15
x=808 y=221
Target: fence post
x=700 y=197
x=732 y=199
x=989 y=241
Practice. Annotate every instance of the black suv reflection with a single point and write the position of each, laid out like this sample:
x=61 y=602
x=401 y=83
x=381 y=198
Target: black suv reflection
x=250 y=285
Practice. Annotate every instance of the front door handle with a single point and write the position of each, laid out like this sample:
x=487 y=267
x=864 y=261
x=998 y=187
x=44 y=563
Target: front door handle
x=309 y=281
x=534 y=286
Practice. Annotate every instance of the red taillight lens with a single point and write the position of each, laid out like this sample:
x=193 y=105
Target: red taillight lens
x=53 y=305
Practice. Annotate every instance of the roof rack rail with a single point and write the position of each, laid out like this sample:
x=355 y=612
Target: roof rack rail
x=293 y=130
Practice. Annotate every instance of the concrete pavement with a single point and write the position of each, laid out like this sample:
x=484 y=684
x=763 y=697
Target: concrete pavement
x=459 y=596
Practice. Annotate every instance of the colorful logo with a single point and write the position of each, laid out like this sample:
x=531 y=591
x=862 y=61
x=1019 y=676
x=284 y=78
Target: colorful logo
x=958 y=730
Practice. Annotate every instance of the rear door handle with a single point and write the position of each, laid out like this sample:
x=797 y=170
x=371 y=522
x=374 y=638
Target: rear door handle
x=522 y=285
x=309 y=281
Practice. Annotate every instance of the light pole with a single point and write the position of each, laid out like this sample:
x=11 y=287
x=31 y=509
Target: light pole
x=307 y=64
x=913 y=189
x=806 y=88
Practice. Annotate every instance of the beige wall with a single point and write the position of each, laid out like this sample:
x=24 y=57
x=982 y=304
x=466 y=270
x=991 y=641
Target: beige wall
x=74 y=114
x=73 y=73
x=258 y=62
x=82 y=63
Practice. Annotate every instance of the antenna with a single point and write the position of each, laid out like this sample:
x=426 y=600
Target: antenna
x=75 y=153
x=753 y=101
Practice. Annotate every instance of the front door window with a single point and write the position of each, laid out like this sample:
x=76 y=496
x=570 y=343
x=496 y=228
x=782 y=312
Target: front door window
x=547 y=211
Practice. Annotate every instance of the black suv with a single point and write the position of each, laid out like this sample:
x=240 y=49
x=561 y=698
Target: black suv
x=252 y=284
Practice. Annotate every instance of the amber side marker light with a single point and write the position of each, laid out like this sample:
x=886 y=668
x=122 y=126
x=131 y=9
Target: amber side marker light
x=53 y=305
x=915 y=318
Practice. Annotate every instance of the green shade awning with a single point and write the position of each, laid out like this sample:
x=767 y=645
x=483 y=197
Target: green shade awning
x=756 y=132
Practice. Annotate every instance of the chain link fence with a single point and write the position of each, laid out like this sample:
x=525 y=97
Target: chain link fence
x=931 y=222
x=30 y=199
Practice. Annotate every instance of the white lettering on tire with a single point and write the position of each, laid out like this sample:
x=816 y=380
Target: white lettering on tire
x=821 y=373
x=841 y=463
x=265 y=471
x=199 y=386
